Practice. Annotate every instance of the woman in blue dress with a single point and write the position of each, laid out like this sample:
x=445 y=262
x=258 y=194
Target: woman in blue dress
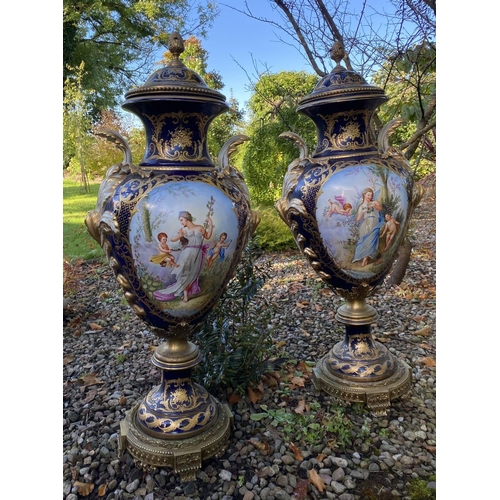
x=370 y=221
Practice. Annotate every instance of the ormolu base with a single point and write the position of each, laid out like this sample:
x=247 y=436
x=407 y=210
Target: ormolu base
x=377 y=395
x=185 y=456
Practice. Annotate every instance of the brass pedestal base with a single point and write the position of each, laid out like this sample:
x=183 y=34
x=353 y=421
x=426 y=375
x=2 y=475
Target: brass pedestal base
x=184 y=456
x=377 y=395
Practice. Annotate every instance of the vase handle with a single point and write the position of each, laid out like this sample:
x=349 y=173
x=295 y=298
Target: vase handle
x=227 y=150
x=298 y=141
x=119 y=141
x=383 y=137
x=127 y=166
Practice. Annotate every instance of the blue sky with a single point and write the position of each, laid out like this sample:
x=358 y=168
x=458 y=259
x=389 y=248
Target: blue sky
x=235 y=41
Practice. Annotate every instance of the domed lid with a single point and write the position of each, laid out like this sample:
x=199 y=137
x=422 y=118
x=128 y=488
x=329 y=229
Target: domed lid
x=175 y=81
x=341 y=85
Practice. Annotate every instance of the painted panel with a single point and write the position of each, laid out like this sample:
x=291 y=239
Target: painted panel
x=360 y=213
x=183 y=237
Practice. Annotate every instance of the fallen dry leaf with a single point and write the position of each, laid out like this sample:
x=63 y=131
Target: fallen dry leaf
x=90 y=379
x=300 y=492
x=318 y=307
x=296 y=452
x=102 y=490
x=431 y=449
x=300 y=407
x=301 y=304
x=332 y=443
x=298 y=381
x=302 y=367
x=321 y=457
x=75 y=322
x=418 y=319
x=295 y=287
x=270 y=381
x=424 y=332
x=95 y=326
x=281 y=343
x=83 y=489
x=123 y=401
x=427 y=361
x=254 y=394
x=315 y=479
x=425 y=346
x=234 y=398
x=259 y=445
x=90 y=396
x=68 y=359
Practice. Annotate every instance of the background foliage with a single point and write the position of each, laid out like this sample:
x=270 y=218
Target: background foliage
x=104 y=42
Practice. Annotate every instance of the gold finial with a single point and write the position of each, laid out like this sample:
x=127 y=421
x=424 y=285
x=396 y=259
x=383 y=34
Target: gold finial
x=175 y=45
x=338 y=52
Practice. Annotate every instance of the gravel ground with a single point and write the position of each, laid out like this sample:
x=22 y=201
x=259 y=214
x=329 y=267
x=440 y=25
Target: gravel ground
x=107 y=369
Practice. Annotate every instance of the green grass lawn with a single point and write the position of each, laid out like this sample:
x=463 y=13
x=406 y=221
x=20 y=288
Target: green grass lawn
x=77 y=242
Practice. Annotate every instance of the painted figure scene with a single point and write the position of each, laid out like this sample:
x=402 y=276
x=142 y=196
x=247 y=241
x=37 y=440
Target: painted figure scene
x=183 y=244
x=361 y=212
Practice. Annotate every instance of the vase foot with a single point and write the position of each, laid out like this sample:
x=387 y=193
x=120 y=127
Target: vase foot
x=376 y=395
x=184 y=456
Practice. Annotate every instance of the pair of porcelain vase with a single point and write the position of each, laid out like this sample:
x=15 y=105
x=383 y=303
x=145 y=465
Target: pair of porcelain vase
x=174 y=228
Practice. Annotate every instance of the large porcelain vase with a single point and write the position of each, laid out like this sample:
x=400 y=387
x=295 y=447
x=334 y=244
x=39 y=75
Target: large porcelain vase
x=173 y=229
x=348 y=206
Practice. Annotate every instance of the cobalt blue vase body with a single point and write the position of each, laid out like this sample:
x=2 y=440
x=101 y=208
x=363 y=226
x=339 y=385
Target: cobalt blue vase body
x=349 y=203
x=174 y=227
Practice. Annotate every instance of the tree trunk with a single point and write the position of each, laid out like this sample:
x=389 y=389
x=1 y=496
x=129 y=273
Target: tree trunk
x=398 y=270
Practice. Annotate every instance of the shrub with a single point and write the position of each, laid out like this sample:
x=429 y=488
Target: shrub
x=272 y=233
x=235 y=341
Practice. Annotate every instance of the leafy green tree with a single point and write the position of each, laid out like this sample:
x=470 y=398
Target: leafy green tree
x=373 y=35
x=76 y=123
x=117 y=40
x=102 y=154
x=409 y=81
x=272 y=108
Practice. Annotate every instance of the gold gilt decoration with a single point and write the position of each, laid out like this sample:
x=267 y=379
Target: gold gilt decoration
x=359 y=292
x=181 y=401
x=169 y=424
x=347 y=136
x=361 y=370
x=180 y=137
x=377 y=394
x=184 y=455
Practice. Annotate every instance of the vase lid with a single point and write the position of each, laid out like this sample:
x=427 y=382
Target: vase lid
x=175 y=81
x=341 y=85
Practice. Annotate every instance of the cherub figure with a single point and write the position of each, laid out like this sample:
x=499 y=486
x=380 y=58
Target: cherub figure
x=389 y=230
x=218 y=250
x=164 y=258
x=339 y=207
